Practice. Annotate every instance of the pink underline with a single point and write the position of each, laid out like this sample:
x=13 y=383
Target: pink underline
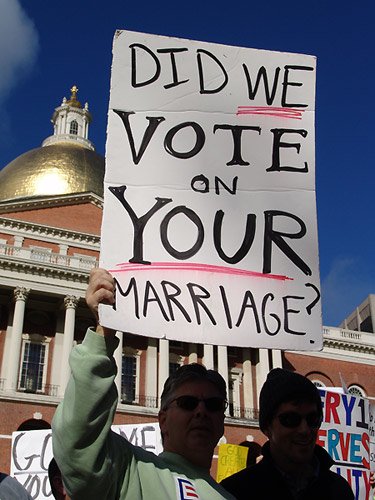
x=295 y=114
x=208 y=268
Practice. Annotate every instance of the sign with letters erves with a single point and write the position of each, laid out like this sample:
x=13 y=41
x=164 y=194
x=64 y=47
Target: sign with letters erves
x=209 y=222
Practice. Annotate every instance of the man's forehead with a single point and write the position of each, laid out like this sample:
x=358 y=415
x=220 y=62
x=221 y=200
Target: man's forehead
x=195 y=387
x=304 y=406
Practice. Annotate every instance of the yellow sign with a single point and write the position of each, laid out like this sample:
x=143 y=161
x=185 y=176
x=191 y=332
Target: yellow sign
x=232 y=458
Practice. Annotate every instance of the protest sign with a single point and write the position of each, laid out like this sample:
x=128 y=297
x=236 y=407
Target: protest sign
x=231 y=459
x=345 y=435
x=147 y=436
x=32 y=453
x=372 y=437
x=209 y=223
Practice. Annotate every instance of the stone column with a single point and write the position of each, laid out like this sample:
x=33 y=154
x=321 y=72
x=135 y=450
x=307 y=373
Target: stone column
x=248 y=392
x=193 y=354
x=277 y=360
x=63 y=249
x=222 y=363
x=358 y=316
x=263 y=367
x=222 y=367
x=163 y=364
x=70 y=303
x=18 y=241
x=208 y=356
x=20 y=297
x=118 y=358
x=151 y=388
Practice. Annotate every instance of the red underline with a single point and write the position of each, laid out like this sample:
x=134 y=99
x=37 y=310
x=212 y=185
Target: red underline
x=293 y=113
x=208 y=268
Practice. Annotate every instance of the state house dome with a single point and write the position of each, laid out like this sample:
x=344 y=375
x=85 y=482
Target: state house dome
x=66 y=163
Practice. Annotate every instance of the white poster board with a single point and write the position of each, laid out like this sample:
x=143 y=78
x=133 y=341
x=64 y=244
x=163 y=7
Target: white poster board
x=32 y=452
x=209 y=221
x=345 y=435
x=372 y=437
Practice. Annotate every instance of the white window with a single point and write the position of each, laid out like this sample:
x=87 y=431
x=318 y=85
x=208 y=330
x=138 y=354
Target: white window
x=128 y=379
x=318 y=383
x=356 y=391
x=235 y=381
x=33 y=369
x=73 y=127
x=130 y=376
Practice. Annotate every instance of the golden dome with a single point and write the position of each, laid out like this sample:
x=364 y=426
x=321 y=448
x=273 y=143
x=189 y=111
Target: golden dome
x=52 y=170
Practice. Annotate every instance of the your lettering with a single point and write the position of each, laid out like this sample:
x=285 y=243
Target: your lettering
x=271 y=236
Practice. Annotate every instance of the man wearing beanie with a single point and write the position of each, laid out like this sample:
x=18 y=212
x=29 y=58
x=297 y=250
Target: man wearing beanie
x=293 y=466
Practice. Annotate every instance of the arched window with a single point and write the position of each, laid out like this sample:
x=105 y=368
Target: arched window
x=318 y=384
x=356 y=391
x=73 y=127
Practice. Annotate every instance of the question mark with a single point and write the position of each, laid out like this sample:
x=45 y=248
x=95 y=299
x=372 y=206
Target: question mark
x=315 y=301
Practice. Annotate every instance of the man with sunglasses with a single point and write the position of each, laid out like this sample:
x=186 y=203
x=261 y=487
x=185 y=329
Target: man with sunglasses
x=293 y=466
x=96 y=463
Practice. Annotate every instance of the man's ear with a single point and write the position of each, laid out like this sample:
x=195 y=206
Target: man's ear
x=162 y=417
x=266 y=431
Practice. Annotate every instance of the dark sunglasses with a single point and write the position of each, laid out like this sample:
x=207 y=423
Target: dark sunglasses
x=189 y=403
x=292 y=419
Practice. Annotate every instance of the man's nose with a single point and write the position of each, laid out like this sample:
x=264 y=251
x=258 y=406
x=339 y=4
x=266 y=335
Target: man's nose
x=304 y=427
x=201 y=408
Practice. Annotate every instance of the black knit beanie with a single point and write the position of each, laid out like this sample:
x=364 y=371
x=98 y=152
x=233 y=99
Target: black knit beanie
x=282 y=386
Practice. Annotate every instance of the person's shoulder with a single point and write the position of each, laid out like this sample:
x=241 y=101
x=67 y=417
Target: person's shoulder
x=340 y=485
x=11 y=489
x=244 y=476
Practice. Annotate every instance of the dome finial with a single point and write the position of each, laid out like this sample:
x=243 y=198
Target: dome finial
x=73 y=98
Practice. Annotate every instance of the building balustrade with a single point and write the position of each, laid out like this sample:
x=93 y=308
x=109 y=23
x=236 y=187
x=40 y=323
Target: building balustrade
x=242 y=412
x=152 y=402
x=31 y=388
x=46 y=257
x=46 y=390
x=145 y=401
x=349 y=335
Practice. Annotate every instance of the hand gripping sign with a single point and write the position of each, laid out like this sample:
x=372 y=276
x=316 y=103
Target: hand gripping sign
x=209 y=221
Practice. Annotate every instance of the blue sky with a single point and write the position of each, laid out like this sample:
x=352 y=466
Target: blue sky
x=46 y=47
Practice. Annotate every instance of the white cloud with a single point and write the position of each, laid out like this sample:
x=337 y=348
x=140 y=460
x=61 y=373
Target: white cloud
x=18 y=45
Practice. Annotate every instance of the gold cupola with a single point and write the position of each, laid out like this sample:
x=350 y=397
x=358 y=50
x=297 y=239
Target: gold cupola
x=66 y=163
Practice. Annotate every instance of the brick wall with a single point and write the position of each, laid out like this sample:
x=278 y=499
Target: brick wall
x=83 y=217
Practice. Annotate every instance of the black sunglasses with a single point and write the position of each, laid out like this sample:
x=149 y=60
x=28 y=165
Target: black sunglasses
x=189 y=403
x=292 y=419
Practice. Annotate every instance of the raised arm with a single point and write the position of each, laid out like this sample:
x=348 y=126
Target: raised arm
x=90 y=456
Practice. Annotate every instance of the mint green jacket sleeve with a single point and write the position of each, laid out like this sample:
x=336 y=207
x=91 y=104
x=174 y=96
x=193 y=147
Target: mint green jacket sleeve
x=91 y=457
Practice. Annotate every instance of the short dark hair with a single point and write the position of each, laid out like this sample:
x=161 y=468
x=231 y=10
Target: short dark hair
x=187 y=373
x=283 y=386
x=53 y=472
x=254 y=451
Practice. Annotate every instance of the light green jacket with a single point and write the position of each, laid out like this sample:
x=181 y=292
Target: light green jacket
x=98 y=464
